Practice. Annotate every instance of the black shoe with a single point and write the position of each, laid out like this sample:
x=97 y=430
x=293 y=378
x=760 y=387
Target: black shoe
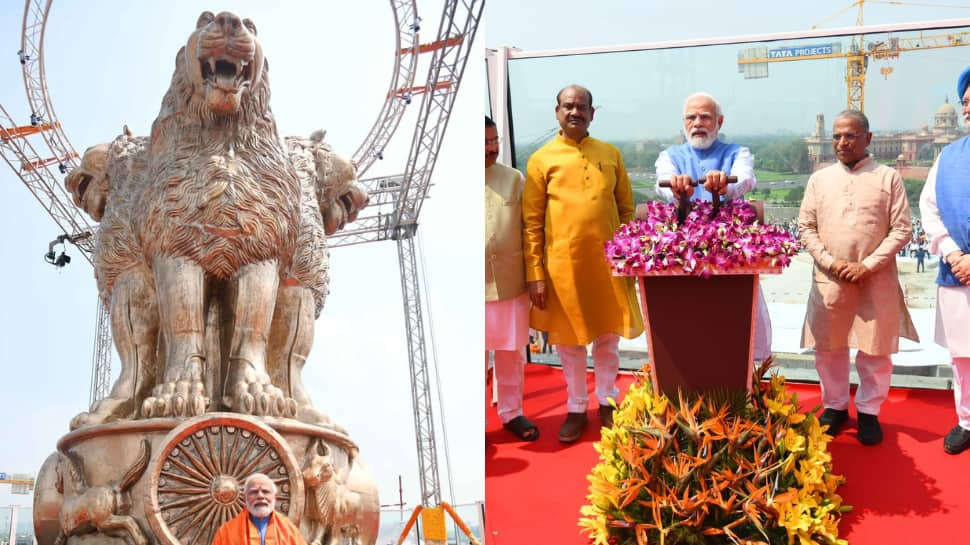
x=957 y=441
x=606 y=415
x=834 y=419
x=572 y=428
x=869 y=431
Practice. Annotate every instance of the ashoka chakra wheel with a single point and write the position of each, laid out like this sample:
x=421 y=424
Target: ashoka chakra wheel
x=198 y=473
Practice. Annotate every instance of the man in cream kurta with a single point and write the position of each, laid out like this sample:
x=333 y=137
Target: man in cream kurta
x=854 y=219
x=576 y=194
x=506 y=298
x=945 y=209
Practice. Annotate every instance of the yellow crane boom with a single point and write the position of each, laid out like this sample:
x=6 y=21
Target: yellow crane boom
x=753 y=61
x=754 y=65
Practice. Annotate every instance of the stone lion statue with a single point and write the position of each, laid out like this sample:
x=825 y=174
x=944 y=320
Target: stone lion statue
x=212 y=252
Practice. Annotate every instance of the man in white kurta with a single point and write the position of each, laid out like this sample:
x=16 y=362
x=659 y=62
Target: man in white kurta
x=854 y=219
x=506 y=296
x=705 y=157
x=945 y=209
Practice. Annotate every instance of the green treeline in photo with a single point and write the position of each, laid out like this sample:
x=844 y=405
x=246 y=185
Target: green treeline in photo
x=781 y=163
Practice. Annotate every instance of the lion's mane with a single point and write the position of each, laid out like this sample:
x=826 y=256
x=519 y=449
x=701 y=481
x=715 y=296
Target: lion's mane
x=220 y=190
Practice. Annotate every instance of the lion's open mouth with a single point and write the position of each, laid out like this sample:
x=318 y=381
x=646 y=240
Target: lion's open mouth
x=226 y=73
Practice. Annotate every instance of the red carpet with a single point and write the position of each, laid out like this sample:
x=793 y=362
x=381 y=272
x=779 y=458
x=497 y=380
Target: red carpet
x=905 y=490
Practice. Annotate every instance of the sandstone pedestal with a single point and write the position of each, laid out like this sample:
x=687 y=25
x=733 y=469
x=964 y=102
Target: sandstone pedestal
x=191 y=482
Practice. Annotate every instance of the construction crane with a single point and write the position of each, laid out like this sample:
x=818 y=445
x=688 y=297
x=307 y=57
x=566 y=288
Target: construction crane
x=395 y=200
x=40 y=154
x=19 y=484
x=753 y=62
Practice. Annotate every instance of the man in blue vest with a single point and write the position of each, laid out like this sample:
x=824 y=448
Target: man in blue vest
x=945 y=209
x=705 y=157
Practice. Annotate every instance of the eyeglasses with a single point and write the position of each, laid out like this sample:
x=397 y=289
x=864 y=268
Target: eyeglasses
x=965 y=103
x=848 y=136
x=492 y=141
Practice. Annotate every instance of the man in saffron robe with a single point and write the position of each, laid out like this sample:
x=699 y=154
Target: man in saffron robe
x=854 y=219
x=705 y=157
x=945 y=208
x=259 y=523
x=577 y=193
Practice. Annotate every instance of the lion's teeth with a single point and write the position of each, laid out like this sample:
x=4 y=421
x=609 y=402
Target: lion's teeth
x=212 y=65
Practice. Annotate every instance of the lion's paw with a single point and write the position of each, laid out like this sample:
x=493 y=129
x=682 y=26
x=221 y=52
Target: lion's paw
x=310 y=415
x=179 y=398
x=104 y=410
x=261 y=400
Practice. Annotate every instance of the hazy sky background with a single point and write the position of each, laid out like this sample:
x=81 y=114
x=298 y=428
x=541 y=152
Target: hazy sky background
x=108 y=63
x=640 y=94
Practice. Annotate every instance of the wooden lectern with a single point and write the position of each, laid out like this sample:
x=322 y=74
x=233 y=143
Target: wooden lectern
x=700 y=331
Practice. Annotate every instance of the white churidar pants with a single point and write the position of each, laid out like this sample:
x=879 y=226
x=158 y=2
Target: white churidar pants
x=509 y=374
x=507 y=333
x=606 y=366
x=961 y=390
x=953 y=332
x=762 y=328
x=875 y=373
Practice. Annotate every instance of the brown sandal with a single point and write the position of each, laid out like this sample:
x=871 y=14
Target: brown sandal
x=522 y=428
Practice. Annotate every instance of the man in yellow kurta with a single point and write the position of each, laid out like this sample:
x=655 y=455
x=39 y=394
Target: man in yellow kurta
x=259 y=523
x=576 y=194
x=854 y=219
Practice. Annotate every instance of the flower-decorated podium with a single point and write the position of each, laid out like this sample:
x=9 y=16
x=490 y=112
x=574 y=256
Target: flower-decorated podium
x=712 y=466
x=698 y=287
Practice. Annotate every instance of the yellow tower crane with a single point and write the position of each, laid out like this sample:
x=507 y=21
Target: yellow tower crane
x=753 y=62
x=20 y=484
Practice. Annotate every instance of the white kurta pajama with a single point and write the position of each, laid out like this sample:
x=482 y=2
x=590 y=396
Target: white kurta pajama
x=952 y=303
x=859 y=215
x=506 y=298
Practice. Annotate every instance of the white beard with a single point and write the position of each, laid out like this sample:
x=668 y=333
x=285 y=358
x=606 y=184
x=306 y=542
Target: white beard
x=262 y=511
x=702 y=142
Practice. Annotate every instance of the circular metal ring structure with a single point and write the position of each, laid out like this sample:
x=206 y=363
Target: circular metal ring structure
x=197 y=474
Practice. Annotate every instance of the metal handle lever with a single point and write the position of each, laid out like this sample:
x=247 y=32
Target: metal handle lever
x=683 y=204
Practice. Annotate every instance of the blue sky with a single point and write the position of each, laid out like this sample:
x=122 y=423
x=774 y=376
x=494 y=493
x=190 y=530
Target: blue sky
x=108 y=64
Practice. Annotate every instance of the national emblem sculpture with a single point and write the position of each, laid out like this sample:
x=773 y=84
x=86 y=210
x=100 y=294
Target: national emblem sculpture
x=212 y=257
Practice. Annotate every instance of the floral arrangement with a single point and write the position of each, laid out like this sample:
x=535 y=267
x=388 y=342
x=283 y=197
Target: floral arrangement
x=714 y=469
x=701 y=245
